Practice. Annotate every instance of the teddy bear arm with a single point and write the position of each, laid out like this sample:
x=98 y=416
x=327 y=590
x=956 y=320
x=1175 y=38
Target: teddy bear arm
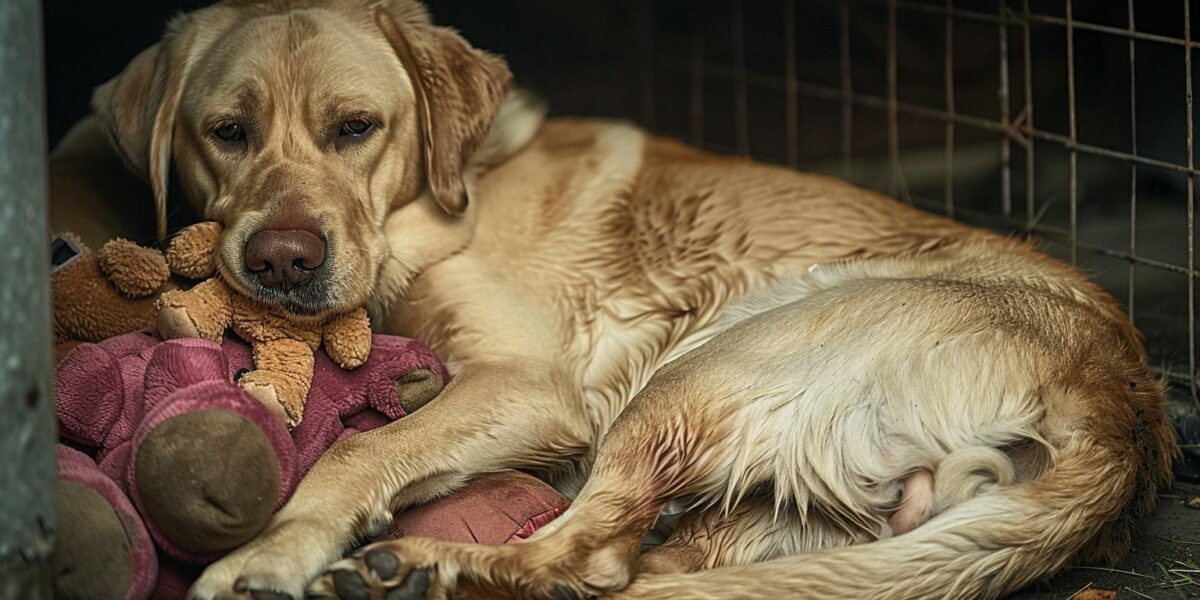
x=205 y=311
x=347 y=338
x=192 y=251
x=282 y=377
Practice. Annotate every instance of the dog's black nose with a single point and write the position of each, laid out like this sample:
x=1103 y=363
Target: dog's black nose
x=284 y=258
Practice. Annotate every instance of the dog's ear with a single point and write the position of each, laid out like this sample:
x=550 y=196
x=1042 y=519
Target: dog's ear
x=137 y=109
x=458 y=91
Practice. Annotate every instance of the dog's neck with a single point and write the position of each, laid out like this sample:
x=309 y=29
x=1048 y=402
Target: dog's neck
x=420 y=234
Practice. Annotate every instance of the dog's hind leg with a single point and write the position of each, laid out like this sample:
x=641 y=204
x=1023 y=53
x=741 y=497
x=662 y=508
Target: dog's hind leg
x=750 y=532
x=672 y=441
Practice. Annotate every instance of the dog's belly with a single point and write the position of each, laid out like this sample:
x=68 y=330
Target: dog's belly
x=841 y=408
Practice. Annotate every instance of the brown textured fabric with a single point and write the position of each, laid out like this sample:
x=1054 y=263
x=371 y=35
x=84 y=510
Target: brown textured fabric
x=218 y=503
x=92 y=560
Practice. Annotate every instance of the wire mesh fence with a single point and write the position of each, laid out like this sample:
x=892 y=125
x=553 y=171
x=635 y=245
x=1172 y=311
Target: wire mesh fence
x=934 y=102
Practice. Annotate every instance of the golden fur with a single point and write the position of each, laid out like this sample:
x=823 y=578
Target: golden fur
x=769 y=355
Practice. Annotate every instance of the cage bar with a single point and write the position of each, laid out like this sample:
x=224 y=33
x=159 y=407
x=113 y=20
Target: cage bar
x=893 y=123
x=1005 y=145
x=1073 y=192
x=696 y=82
x=1191 y=205
x=644 y=10
x=1133 y=168
x=741 y=103
x=847 y=89
x=1027 y=118
x=948 y=66
x=791 y=110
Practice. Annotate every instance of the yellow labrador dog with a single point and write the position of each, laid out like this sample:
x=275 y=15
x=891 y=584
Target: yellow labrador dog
x=835 y=395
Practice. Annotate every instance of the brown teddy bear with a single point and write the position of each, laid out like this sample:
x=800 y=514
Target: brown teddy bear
x=98 y=295
x=283 y=343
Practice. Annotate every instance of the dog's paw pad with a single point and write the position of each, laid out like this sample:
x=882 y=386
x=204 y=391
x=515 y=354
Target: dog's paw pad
x=414 y=587
x=372 y=574
x=350 y=585
x=383 y=564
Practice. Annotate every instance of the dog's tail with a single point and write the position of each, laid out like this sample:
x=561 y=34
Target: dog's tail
x=993 y=543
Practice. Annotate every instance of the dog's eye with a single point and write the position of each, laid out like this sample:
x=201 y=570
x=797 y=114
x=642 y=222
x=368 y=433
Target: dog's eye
x=355 y=128
x=229 y=132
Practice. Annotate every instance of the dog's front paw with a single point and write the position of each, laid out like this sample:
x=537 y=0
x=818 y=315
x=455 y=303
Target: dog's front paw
x=395 y=569
x=276 y=566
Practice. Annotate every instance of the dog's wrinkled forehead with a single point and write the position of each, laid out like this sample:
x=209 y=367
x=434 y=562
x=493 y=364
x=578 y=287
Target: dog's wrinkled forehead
x=297 y=61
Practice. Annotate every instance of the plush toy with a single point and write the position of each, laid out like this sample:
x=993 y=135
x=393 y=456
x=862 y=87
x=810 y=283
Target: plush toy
x=283 y=342
x=203 y=463
x=98 y=295
x=167 y=463
x=171 y=464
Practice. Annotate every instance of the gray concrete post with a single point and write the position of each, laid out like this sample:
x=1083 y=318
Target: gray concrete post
x=27 y=437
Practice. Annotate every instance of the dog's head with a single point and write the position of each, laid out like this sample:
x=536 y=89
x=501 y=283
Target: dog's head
x=301 y=125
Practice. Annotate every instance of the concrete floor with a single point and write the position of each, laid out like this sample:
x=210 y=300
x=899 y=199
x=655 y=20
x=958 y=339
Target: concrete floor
x=1168 y=540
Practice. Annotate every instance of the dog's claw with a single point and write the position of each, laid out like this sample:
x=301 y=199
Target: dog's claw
x=382 y=563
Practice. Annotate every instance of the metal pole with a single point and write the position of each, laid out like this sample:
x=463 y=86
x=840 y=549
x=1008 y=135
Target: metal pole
x=27 y=438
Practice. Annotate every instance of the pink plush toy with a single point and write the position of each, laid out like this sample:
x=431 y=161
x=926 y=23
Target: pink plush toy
x=172 y=465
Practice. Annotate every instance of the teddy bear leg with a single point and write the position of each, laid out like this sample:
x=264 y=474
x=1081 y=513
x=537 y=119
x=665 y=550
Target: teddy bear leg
x=203 y=311
x=103 y=549
x=282 y=376
x=210 y=466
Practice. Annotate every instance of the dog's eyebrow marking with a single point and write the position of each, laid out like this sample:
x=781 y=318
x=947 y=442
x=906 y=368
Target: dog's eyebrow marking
x=248 y=100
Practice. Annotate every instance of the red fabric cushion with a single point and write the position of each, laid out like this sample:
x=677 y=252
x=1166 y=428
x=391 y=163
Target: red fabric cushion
x=498 y=508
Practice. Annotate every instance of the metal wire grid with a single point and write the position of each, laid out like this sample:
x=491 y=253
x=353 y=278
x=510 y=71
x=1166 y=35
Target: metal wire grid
x=1017 y=129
